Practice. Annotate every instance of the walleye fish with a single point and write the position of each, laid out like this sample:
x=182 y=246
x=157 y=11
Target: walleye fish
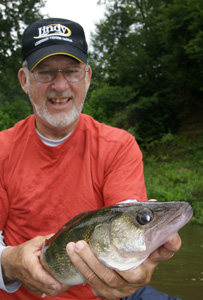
x=122 y=236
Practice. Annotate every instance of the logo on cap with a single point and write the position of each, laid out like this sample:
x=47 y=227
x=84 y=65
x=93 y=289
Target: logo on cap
x=53 y=29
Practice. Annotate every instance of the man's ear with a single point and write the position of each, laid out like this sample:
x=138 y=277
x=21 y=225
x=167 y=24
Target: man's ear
x=23 y=80
x=89 y=76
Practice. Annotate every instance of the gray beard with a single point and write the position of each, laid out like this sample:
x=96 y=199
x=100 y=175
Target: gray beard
x=57 y=120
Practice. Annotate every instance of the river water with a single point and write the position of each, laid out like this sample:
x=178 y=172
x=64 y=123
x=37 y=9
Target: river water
x=182 y=276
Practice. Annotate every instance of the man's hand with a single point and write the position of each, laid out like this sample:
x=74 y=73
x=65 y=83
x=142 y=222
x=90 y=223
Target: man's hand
x=21 y=263
x=110 y=284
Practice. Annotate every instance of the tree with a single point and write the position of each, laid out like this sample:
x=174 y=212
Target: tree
x=14 y=17
x=155 y=48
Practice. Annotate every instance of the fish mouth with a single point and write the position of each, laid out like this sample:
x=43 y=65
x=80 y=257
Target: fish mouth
x=182 y=218
x=172 y=226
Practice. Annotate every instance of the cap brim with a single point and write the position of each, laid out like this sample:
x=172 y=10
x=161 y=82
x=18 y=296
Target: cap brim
x=36 y=57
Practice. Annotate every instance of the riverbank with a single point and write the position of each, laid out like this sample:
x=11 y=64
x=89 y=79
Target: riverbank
x=173 y=171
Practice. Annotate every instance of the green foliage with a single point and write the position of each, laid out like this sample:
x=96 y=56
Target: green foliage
x=154 y=47
x=14 y=17
x=108 y=101
x=4 y=121
x=12 y=112
x=173 y=171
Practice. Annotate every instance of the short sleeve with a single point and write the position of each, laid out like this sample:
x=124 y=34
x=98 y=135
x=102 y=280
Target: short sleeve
x=124 y=178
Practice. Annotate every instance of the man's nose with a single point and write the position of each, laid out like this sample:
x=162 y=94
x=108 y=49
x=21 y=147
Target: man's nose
x=60 y=84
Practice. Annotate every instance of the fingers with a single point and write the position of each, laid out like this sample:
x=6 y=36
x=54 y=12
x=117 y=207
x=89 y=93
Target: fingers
x=21 y=263
x=105 y=283
x=89 y=262
x=142 y=275
x=167 y=250
x=39 y=280
x=110 y=284
x=138 y=277
x=85 y=261
x=32 y=272
x=174 y=243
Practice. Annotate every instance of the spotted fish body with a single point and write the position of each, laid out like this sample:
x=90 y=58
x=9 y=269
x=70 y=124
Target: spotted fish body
x=122 y=236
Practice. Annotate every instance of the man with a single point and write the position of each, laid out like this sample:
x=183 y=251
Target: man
x=58 y=163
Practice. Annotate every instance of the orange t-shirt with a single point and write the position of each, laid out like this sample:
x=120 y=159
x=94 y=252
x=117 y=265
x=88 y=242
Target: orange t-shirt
x=42 y=187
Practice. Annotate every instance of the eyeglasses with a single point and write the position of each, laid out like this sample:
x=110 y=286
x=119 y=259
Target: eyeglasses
x=71 y=74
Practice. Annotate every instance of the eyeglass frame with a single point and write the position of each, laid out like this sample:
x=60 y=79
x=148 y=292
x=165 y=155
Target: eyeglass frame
x=55 y=71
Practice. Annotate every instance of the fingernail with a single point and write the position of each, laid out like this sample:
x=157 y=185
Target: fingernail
x=43 y=295
x=70 y=247
x=79 y=245
x=53 y=287
x=174 y=238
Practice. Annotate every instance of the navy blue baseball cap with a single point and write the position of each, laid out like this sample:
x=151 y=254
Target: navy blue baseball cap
x=53 y=36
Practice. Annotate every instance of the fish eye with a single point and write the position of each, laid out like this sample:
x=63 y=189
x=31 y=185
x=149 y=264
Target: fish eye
x=144 y=218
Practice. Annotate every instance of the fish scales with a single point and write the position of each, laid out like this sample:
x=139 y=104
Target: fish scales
x=122 y=236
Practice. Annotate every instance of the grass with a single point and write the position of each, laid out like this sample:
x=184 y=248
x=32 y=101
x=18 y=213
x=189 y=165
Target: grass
x=173 y=171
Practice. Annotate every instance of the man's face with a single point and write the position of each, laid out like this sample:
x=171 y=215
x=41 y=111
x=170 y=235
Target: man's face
x=58 y=103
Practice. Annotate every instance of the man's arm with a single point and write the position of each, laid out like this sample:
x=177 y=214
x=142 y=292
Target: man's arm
x=11 y=287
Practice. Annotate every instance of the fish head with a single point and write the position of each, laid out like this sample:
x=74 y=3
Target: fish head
x=136 y=230
x=165 y=219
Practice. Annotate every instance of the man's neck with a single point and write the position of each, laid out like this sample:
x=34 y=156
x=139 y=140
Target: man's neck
x=54 y=133
x=51 y=142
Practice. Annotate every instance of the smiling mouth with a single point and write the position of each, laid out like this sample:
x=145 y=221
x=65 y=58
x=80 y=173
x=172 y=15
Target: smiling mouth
x=59 y=100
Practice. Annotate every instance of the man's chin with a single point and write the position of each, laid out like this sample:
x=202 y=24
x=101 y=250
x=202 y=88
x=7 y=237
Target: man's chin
x=60 y=120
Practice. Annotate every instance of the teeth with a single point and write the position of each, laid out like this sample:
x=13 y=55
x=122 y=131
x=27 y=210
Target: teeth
x=59 y=100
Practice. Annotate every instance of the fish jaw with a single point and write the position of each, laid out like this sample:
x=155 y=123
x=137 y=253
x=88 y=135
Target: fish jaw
x=174 y=224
